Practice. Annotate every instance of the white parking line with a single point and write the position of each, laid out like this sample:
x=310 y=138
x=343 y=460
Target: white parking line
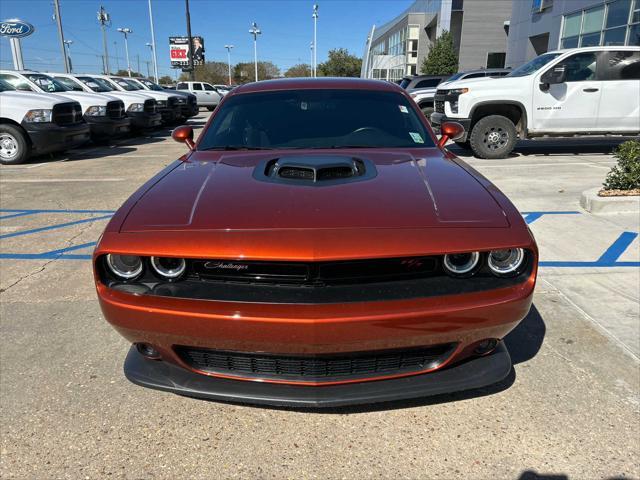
x=60 y=180
x=550 y=164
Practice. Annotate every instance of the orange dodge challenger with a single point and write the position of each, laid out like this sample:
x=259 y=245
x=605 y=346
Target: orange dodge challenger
x=316 y=246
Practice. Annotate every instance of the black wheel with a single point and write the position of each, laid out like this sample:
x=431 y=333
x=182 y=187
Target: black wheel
x=427 y=111
x=211 y=109
x=493 y=137
x=14 y=147
x=466 y=145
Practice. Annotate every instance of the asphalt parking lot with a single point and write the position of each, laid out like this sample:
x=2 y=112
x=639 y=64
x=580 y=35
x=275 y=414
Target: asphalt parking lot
x=570 y=409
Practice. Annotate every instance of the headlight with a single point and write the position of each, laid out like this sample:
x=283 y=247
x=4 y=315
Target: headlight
x=168 y=267
x=38 y=116
x=461 y=263
x=454 y=106
x=506 y=262
x=457 y=91
x=126 y=267
x=136 y=107
x=162 y=103
x=96 y=111
x=181 y=100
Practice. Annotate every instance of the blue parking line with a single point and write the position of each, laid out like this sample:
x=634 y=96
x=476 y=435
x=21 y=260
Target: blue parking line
x=530 y=217
x=42 y=256
x=607 y=259
x=53 y=227
x=21 y=214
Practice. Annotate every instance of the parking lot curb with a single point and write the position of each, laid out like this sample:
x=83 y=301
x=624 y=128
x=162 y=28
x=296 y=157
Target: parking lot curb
x=591 y=202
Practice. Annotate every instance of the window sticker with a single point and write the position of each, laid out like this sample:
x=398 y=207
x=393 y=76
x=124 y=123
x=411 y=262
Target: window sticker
x=403 y=109
x=416 y=137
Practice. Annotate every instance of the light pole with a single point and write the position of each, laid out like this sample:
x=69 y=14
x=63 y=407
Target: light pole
x=56 y=7
x=315 y=40
x=229 y=47
x=150 y=45
x=311 y=69
x=105 y=21
x=126 y=32
x=68 y=53
x=153 y=45
x=255 y=31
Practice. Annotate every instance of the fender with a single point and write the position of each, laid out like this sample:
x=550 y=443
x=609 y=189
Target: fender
x=525 y=113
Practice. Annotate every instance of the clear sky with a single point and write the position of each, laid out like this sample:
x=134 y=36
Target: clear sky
x=287 y=28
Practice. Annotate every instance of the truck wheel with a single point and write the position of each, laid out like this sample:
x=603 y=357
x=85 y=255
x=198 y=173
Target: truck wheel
x=14 y=148
x=493 y=137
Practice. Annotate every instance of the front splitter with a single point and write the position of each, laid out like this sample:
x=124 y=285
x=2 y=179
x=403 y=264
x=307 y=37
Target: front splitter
x=474 y=373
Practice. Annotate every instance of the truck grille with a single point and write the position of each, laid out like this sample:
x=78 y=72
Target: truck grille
x=66 y=113
x=173 y=101
x=316 y=368
x=439 y=106
x=150 y=106
x=115 y=109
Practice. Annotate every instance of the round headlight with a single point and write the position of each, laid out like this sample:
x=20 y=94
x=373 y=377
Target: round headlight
x=126 y=267
x=168 y=267
x=461 y=263
x=505 y=262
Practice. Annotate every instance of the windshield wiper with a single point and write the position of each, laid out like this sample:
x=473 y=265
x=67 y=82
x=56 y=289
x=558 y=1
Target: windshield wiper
x=237 y=147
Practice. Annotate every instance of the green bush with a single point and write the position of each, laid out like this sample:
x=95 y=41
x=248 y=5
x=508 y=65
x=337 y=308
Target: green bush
x=625 y=175
x=442 y=58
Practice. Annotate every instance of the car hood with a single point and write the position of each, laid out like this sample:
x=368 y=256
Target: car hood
x=219 y=191
x=87 y=99
x=155 y=94
x=479 y=82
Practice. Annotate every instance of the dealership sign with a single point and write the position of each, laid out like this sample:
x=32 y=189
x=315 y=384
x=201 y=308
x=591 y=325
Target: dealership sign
x=15 y=28
x=179 y=51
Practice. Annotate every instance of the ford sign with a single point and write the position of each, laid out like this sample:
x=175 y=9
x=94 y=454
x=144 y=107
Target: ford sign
x=15 y=28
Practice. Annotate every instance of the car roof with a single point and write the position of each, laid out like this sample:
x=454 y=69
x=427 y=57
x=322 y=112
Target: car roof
x=596 y=49
x=341 y=83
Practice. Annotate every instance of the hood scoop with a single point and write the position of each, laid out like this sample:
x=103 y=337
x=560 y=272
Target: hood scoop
x=315 y=170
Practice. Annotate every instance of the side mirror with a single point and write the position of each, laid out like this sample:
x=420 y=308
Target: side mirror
x=555 y=75
x=184 y=134
x=450 y=130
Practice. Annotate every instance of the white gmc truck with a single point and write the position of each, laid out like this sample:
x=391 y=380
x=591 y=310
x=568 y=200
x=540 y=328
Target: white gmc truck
x=581 y=91
x=36 y=123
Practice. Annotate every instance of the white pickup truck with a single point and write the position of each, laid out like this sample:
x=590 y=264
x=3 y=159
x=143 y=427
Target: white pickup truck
x=581 y=91
x=37 y=123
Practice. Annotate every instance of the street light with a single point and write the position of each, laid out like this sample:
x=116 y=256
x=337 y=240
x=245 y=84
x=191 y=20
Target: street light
x=311 y=69
x=229 y=47
x=126 y=32
x=150 y=45
x=255 y=31
x=315 y=40
x=68 y=53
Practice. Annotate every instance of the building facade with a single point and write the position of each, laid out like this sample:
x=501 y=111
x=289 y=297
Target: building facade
x=479 y=29
x=538 y=26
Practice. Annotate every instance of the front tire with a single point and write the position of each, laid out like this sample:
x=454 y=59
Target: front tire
x=493 y=137
x=14 y=147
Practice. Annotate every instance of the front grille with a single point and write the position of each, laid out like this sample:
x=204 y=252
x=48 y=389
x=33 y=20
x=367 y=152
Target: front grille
x=439 y=106
x=115 y=109
x=441 y=92
x=66 y=113
x=173 y=101
x=150 y=106
x=314 y=368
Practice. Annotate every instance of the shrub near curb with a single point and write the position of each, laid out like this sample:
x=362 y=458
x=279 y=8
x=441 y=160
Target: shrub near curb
x=624 y=178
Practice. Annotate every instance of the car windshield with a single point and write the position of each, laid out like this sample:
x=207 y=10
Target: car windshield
x=404 y=82
x=150 y=85
x=533 y=66
x=68 y=82
x=96 y=84
x=454 y=77
x=126 y=84
x=46 y=83
x=6 y=86
x=316 y=119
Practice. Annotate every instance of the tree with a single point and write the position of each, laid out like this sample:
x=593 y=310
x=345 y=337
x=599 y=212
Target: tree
x=165 y=80
x=244 y=72
x=340 y=64
x=300 y=70
x=442 y=58
x=124 y=73
x=210 y=72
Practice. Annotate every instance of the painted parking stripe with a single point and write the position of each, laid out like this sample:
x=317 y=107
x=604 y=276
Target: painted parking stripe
x=530 y=217
x=53 y=227
x=608 y=259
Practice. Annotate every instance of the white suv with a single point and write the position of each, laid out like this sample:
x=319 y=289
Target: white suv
x=207 y=95
x=582 y=91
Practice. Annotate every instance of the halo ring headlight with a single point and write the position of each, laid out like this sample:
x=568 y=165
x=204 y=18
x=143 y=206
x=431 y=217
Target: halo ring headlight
x=505 y=262
x=461 y=263
x=126 y=267
x=169 y=267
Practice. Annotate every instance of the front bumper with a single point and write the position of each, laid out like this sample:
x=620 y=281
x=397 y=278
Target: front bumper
x=49 y=137
x=472 y=373
x=105 y=127
x=170 y=114
x=438 y=119
x=189 y=110
x=144 y=120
